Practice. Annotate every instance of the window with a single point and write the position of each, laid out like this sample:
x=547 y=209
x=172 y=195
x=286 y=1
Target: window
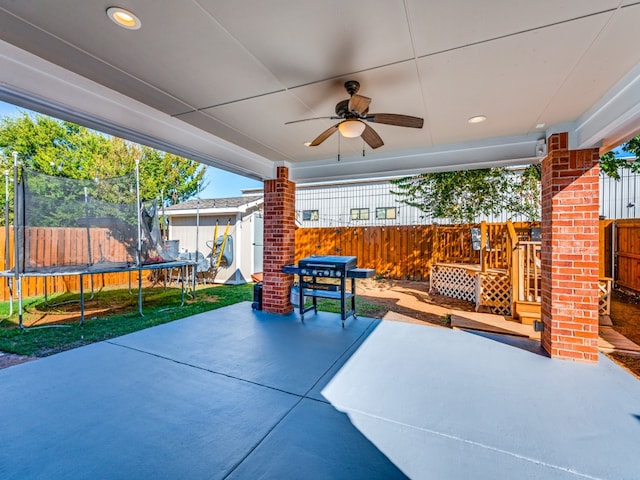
x=386 y=213
x=310 y=215
x=359 y=214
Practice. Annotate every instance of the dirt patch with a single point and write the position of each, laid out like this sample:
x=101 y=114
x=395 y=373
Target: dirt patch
x=625 y=316
x=9 y=359
x=411 y=299
x=630 y=362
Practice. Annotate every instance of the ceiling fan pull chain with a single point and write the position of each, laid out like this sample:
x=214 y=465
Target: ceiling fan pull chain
x=339 y=147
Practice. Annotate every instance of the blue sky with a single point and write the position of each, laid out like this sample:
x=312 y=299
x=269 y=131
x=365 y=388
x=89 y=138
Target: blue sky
x=220 y=183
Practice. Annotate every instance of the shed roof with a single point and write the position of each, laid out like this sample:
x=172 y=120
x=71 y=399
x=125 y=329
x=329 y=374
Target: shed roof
x=231 y=203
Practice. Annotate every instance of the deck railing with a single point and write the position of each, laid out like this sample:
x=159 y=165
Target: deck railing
x=529 y=271
x=526 y=277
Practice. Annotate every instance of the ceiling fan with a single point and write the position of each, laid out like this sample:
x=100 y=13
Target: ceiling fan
x=354 y=112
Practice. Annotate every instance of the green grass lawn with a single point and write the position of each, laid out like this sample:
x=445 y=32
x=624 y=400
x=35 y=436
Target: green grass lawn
x=159 y=306
x=54 y=326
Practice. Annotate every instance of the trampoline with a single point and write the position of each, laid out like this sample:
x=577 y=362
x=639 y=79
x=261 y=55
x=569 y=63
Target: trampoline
x=67 y=227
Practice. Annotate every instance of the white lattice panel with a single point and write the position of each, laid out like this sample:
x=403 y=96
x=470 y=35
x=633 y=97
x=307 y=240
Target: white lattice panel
x=453 y=282
x=604 y=296
x=495 y=292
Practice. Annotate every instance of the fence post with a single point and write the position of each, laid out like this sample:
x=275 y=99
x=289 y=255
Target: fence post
x=515 y=265
x=483 y=246
x=435 y=244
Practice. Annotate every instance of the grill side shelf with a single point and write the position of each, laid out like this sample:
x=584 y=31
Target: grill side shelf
x=361 y=273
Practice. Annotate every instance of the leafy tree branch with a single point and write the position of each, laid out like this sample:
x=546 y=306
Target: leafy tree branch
x=611 y=165
x=63 y=149
x=462 y=196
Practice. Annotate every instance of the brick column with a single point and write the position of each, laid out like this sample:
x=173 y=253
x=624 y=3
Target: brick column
x=279 y=241
x=570 y=188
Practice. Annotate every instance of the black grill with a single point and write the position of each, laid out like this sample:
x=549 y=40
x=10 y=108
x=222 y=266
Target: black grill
x=313 y=273
x=327 y=265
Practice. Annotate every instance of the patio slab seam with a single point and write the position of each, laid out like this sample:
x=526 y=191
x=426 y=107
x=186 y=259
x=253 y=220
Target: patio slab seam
x=233 y=377
x=364 y=333
x=282 y=418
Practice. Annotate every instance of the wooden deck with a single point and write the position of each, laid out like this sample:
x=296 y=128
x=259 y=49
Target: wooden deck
x=612 y=341
x=487 y=322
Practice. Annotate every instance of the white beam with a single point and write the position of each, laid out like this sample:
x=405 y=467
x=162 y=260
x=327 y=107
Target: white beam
x=31 y=82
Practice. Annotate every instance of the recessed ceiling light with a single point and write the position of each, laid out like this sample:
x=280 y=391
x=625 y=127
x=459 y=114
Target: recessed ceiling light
x=540 y=125
x=124 y=18
x=477 y=119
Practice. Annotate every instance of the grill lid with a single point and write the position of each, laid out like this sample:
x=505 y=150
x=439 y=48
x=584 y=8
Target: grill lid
x=335 y=262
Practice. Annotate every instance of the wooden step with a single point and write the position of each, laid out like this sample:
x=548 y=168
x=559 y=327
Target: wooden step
x=527 y=318
x=527 y=312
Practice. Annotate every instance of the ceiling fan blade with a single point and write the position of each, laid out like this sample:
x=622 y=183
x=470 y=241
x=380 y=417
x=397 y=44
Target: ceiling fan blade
x=314 y=118
x=370 y=136
x=324 y=135
x=359 y=104
x=398 y=120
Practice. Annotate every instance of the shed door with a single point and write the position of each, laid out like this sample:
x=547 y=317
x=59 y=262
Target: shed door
x=258 y=229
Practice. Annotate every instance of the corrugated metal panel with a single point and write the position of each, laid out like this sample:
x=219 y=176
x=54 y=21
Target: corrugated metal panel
x=334 y=204
x=620 y=198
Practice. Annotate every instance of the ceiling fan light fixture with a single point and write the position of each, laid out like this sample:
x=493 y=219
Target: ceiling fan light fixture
x=351 y=128
x=477 y=119
x=124 y=18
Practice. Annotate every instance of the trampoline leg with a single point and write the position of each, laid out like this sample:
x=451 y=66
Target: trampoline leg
x=10 y=285
x=182 y=303
x=188 y=282
x=81 y=299
x=19 y=292
x=140 y=293
x=92 y=290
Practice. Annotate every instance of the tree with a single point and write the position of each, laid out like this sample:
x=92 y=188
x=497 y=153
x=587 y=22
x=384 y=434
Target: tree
x=611 y=165
x=464 y=195
x=181 y=179
x=63 y=149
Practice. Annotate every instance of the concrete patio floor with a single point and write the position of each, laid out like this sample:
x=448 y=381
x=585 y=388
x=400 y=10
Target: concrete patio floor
x=245 y=395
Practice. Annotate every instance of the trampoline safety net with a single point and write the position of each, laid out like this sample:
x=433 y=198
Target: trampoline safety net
x=68 y=224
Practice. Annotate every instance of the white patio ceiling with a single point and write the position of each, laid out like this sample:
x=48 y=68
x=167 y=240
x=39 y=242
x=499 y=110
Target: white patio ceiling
x=216 y=80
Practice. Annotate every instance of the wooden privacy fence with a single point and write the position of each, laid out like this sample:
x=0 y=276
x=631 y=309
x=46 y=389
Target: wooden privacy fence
x=625 y=237
x=394 y=252
x=407 y=252
x=398 y=252
x=50 y=247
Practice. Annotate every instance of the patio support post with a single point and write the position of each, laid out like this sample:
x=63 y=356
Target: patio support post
x=279 y=241
x=569 y=256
